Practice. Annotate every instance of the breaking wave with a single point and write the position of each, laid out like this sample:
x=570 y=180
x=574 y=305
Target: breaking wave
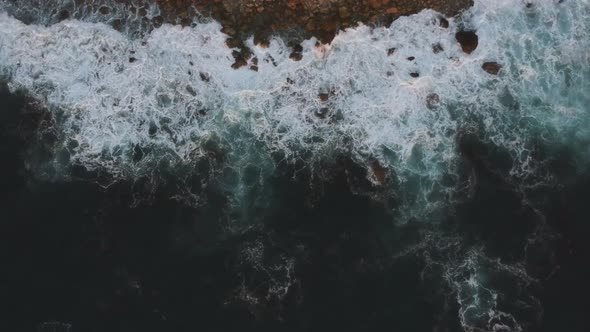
x=402 y=95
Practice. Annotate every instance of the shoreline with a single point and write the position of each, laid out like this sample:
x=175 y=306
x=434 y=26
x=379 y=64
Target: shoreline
x=300 y=19
x=317 y=18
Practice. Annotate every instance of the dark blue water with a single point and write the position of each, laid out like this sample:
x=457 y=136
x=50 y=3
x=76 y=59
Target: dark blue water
x=78 y=254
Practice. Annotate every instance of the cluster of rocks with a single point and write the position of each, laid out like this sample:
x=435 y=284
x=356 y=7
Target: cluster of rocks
x=320 y=18
x=299 y=18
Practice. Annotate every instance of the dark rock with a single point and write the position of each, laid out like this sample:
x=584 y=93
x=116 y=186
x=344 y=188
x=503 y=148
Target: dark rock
x=233 y=42
x=411 y=58
x=414 y=74
x=104 y=10
x=297 y=48
x=437 y=48
x=157 y=21
x=468 y=40
x=117 y=24
x=132 y=60
x=261 y=39
x=391 y=51
x=432 y=101
x=191 y=91
x=379 y=172
x=296 y=56
x=63 y=15
x=270 y=59
x=204 y=77
x=491 y=67
x=443 y=22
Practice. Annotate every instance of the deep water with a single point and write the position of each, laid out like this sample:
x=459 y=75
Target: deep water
x=385 y=181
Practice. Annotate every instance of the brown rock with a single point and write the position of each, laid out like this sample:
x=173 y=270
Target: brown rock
x=375 y=3
x=392 y=10
x=240 y=62
x=296 y=56
x=379 y=172
x=104 y=10
x=468 y=40
x=343 y=12
x=318 y=18
x=491 y=67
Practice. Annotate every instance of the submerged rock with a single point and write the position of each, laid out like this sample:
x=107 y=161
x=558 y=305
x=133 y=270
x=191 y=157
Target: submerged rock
x=322 y=113
x=432 y=101
x=437 y=48
x=379 y=172
x=491 y=67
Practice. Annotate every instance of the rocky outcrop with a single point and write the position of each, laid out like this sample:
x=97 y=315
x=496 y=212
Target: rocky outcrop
x=320 y=18
x=491 y=67
x=468 y=40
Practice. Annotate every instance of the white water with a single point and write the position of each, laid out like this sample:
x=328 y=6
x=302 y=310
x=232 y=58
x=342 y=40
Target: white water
x=379 y=111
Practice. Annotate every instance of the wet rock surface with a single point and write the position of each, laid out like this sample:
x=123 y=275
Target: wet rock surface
x=491 y=67
x=432 y=101
x=468 y=40
x=294 y=20
x=320 y=18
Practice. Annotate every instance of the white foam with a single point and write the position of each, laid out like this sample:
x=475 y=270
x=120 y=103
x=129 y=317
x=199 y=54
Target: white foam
x=181 y=83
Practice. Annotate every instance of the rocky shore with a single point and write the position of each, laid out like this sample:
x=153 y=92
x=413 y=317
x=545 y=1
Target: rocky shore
x=299 y=18
x=320 y=18
x=296 y=20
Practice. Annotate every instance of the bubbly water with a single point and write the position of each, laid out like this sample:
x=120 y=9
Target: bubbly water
x=405 y=96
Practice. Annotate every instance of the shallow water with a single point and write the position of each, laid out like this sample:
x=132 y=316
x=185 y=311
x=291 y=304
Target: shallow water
x=441 y=162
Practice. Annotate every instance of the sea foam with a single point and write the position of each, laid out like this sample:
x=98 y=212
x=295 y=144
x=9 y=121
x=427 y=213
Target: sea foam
x=171 y=93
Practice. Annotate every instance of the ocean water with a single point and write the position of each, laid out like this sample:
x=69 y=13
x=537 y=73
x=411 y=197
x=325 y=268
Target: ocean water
x=414 y=132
